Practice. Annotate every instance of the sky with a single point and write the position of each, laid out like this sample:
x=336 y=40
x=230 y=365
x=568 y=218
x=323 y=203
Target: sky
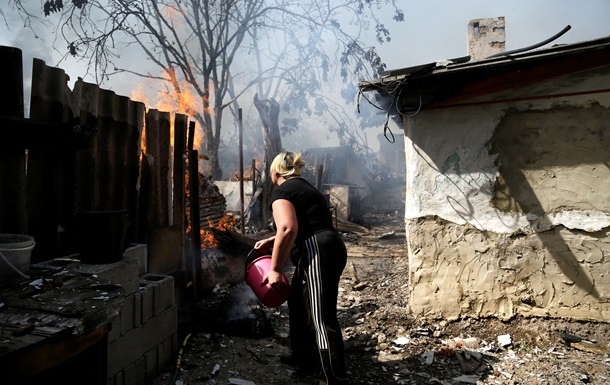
x=437 y=29
x=433 y=30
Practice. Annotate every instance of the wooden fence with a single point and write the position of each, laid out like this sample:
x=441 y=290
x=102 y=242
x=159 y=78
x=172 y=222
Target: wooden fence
x=82 y=150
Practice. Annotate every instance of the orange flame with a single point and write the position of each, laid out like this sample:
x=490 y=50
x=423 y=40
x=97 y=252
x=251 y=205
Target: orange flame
x=227 y=222
x=178 y=97
x=208 y=239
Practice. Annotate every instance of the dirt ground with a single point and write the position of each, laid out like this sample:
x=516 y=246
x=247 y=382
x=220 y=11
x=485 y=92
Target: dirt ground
x=232 y=339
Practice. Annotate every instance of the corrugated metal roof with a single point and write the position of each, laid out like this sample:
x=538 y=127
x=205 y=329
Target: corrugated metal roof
x=463 y=65
x=461 y=82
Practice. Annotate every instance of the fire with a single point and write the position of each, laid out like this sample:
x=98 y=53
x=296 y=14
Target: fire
x=208 y=238
x=247 y=173
x=178 y=97
x=181 y=97
x=140 y=95
x=208 y=241
x=227 y=222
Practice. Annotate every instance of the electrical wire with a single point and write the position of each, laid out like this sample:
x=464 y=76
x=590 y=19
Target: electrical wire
x=390 y=87
x=179 y=360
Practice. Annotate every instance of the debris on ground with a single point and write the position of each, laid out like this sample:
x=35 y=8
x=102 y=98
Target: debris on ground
x=238 y=341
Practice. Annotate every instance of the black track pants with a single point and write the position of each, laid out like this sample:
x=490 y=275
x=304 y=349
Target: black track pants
x=315 y=333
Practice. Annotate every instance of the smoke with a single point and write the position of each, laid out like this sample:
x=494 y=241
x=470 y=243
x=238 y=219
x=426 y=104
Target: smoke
x=239 y=303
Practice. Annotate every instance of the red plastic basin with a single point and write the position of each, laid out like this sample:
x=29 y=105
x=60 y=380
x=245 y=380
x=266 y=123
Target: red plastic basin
x=255 y=273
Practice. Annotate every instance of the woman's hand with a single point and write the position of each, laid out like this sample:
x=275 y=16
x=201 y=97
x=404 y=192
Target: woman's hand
x=264 y=245
x=274 y=280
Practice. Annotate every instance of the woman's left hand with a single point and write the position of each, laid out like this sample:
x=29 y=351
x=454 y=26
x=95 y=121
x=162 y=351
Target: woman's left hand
x=264 y=245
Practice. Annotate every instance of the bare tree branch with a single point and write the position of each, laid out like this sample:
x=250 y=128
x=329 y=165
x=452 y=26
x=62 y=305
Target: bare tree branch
x=296 y=48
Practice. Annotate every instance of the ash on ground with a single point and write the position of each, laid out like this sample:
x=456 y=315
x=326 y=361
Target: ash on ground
x=235 y=340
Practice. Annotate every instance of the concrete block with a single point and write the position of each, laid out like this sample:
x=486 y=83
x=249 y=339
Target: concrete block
x=163 y=287
x=57 y=264
x=128 y=311
x=134 y=344
x=138 y=252
x=116 y=379
x=167 y=352
x=152 y=364
x=135 y=374
x=137 y=316
x=147 y=300
x=114 y=331
x=124 y=273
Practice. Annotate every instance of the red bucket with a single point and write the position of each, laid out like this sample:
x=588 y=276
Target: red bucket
x=255 y=273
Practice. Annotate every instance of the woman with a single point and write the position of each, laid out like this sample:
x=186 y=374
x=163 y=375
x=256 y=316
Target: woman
x=302 y=219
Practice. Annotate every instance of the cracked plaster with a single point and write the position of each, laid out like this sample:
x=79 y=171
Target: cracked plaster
x=507 y=209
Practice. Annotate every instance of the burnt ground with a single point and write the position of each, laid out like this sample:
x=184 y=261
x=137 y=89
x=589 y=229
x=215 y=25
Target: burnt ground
x=235 y=340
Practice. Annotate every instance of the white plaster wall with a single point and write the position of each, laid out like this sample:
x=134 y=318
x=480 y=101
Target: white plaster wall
x=451 y=171
x=539 y=246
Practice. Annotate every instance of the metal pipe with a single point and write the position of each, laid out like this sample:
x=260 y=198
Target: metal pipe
x=557 y=35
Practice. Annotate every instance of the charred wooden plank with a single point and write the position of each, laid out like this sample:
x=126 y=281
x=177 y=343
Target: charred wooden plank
x=25 y=133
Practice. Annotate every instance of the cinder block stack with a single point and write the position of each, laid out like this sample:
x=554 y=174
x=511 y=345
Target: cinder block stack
x=142 y=340
x=143 y=337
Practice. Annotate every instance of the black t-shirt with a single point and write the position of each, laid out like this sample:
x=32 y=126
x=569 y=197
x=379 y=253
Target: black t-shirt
x=310 y=205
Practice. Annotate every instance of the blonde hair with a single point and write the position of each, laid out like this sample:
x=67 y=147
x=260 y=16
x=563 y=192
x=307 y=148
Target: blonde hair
x=287 y=164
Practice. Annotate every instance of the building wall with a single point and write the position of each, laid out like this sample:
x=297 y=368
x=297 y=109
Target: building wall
x=508 y=208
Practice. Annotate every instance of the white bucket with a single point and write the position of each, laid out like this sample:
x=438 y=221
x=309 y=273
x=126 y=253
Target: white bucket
x=15 y=255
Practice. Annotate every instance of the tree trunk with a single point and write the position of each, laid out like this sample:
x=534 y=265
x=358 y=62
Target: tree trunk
x=269 y=111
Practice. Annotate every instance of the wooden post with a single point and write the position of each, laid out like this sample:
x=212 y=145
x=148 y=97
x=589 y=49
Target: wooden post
x=180 y=128
x=253 y=173
x=241 y=171
x=319 y=177
x=13 y=215
x=179 y=215
x=194 y=212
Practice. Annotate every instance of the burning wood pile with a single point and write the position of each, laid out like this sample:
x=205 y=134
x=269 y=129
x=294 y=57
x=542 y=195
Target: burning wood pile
x=218 y=253
x=212 y=204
